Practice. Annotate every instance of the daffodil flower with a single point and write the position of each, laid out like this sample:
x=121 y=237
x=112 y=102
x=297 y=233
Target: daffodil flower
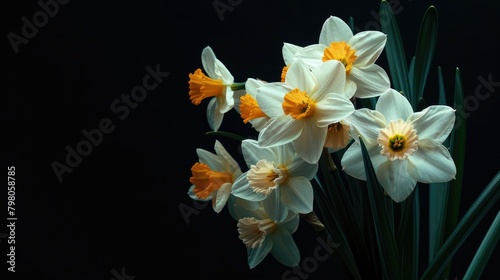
x=218 y=85
x=261 y=235
x=302 y=107
x=277 y=177
x=248 y=108
x=405 y=147
x=357 y=52
x=213 y=176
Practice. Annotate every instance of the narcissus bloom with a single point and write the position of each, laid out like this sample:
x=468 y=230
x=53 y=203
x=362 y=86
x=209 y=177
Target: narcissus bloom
x=213 y=176
x=278 y=177
x=248 y=108
x=357 y=52
x=302 y=107
x=218 y=85
x=405 y=147
x=261 y=235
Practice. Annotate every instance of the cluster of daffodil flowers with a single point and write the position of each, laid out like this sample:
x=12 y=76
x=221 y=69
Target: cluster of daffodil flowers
x=312 y=108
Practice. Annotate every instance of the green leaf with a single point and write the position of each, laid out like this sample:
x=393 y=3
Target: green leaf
x=488 y=245
x=421 y=104
x=350 y=22
x=396 y=56
x=407 y=235
x=438 y=202
x=366 y=103
x=340 y=202
x=441 y=89
x=411 y=74
x=424 y=53
x=483 y=203
x=333 y=226
x=438 y=194
x=457 y=149
x=227 y=135
x=386 y=242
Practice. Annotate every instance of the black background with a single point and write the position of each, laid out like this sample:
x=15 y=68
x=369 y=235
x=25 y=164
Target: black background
x=118 y=210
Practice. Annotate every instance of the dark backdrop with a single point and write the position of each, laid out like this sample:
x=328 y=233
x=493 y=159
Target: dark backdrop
x=117 y=213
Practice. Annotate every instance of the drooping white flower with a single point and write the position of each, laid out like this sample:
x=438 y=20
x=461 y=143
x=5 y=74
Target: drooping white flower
x=303 y=106
x=278 y=177
x=217 y=85
x=261 y=235
x=357 y=52
x=213 y=176
x=405 y=147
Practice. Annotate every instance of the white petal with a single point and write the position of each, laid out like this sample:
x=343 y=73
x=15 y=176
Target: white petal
x=284 y=248
x=312 y=55
x=283 y=154
x=256 y=255
x=333 y=109
x=289 y=51
x=299 y=76
x=334 y=30
x=394 y=106
x=371 y=81
x=237 y=99
x=251 y=86
x=259 y=123
x=298 y=195
x=350 y=88
x=299 y=167
x=253 y=153
x=215 y=162
x=368 y=46
x=352 y=160
x=224 y=74
x=330 y=77
x=242 y=189
x=291 y=223
x=270 y=98
x=367 y=123
x=434 y=122
x=276 y=210
x=394 y=178
x=228 y=101
x=433 y=163
x=309 y=144
x=208 y=60
x=221 y=197
x=279 y=131
x=242 y=208
x=214 y=116
x=221 y=151
x=225 y=101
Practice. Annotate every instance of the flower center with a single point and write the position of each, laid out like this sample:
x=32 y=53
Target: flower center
x=298 y=104
x=342 y=52
x=249 y=109
x=206 y=180
x=398 y=140
x=201 y=86
x=253 y=232
x=265 y=176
